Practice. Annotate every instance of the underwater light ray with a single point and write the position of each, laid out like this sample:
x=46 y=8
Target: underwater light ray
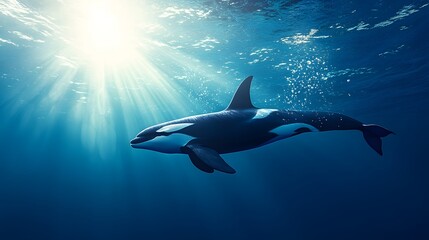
x=103 y=78
x=83 y=88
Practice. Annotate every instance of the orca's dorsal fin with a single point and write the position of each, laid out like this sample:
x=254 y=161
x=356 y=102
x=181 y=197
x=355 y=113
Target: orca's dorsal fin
x=241 y=99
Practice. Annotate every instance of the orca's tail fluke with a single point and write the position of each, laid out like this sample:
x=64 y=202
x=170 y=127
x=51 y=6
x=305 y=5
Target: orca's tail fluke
x=373 y=134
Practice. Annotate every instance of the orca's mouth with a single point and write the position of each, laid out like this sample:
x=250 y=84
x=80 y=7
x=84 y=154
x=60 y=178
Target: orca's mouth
x=137 y=140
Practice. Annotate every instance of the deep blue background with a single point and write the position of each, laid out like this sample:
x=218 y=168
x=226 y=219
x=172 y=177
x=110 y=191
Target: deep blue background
x=314 y=186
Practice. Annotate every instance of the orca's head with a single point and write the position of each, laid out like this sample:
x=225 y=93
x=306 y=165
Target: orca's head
x=145 y=136
x=162 y=138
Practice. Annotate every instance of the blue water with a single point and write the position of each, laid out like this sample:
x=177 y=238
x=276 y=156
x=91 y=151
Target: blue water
x=68 y=110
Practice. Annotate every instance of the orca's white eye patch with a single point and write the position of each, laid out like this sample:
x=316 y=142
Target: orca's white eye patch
x=174 y=127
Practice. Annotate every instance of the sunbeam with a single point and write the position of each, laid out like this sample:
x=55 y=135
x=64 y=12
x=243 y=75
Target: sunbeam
x=104 y=59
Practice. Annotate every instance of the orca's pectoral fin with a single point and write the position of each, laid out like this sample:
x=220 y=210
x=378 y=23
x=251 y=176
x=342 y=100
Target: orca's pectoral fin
x=200 y=164
x=207 y=159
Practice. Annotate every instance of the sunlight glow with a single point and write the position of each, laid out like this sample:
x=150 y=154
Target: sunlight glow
x=106 y=34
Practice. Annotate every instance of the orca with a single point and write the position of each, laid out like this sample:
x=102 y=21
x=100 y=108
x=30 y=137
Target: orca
x=242 y=126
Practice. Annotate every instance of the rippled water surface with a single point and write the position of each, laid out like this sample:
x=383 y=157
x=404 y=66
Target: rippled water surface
x=79 y=79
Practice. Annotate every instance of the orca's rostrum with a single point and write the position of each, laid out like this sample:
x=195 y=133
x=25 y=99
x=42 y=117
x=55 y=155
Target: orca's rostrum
x=242 y=126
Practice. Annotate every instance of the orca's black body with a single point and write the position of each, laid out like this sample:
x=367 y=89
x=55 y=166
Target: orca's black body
x=241 y=127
